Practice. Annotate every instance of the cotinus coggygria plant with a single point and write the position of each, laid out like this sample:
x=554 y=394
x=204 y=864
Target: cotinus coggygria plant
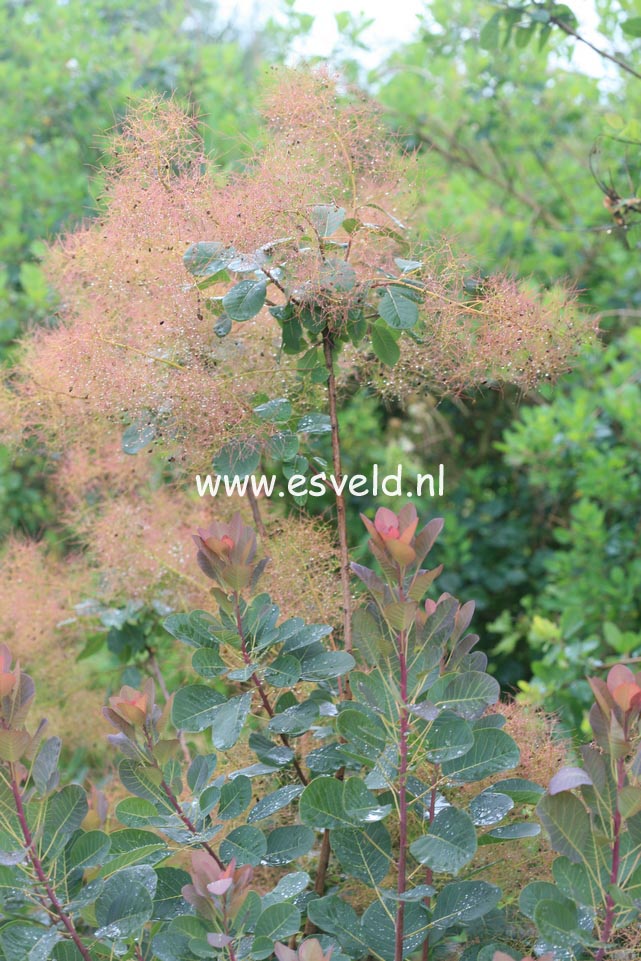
x=349 y=828
x=592 y=814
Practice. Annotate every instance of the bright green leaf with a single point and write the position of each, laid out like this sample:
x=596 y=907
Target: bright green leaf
x=245 y=300
x=450 y=844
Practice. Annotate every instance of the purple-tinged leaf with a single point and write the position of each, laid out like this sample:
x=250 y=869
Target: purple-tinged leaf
x=568 y=778
x=461 y=648
x=598 y=723
x=422 y=582
x=369 y=578
x=463 y=619
x=424 y=540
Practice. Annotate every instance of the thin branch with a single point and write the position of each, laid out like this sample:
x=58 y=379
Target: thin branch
x=173 y=800
x=191 y=827
x=274 y=280
x=258 y=520
x=321 y=875
x=566 y=28
x=40 y=872
x=142 y=353
x=328 y=347
x=458 y=154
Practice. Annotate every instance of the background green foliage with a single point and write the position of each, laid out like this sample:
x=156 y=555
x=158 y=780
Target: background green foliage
x=67 y=71
x=543 y=517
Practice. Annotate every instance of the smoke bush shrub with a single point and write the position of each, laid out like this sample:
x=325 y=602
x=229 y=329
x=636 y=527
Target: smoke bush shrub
x=214 y=315
x=355 y=765
x=351 y=826
x=362 y=792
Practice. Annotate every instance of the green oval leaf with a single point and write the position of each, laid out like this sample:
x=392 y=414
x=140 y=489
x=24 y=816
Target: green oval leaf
x=282 y=446
x=274 y=411
x=195 y=706
x=235 y=796
x=314 y=424
x=335 y=916
x=467 y=694
x=449 y=736
x=320 y=667
x=558 y=922
x=515 y=831
x=360 y=804
x=379 y=929
x=207 y=258
x=464 y=901
x=89 y=850
x=208 y=663
x=194 y=629
x=295 y=720
x=567 y=823
x=321 y=804
x=278 y=921
x=519 y=789
x=223 y=326
x=335 y=275
x=138 y=436
x=365 y=852
x=384 y=345
x=245 y=300
x=45 y=766
x=136 y=812
x=397 y=309
x=493 y=751
x=228 y=720
x=327 y=218
x=534 y=892
x=288 y=843
x=450 y=844
x=285 y=671
x=273 y=802
x=247 y=844
x=365 y=735
x=238 y=458
x=490 y=808
x=65 y=812
x=124 y=905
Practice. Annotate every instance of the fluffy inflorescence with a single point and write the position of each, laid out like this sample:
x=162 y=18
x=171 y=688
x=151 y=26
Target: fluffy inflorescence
x=38 y=621
x=506 y=334
x=134 y=343
x=321 y=149
x=142 y=547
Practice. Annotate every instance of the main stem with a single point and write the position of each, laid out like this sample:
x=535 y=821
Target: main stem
x=341 y=516
x=402 y=795
x=173 y=800
x=321 y=874
x=40 y=872
x=610 y=907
